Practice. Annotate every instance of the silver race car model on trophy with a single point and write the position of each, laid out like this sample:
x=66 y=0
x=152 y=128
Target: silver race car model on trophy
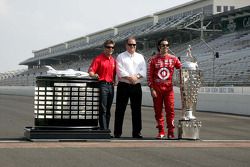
x=66 y=73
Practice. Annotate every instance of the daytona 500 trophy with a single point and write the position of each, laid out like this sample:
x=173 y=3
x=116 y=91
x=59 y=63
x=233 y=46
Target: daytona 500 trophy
x=189 y=126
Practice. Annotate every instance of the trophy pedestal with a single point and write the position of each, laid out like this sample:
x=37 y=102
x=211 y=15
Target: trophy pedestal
x=66 y=108
x=64 y=134
x=189 y=129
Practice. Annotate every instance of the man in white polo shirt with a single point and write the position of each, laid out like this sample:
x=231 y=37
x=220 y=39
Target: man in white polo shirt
x=130 y=69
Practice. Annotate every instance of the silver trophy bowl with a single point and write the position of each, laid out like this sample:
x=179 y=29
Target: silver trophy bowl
x=189 y=85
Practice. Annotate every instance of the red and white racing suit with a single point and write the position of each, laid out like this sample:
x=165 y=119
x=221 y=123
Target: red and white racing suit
x=159 y=76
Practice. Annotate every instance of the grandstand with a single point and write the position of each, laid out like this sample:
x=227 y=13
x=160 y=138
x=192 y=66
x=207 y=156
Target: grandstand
x=217 y=30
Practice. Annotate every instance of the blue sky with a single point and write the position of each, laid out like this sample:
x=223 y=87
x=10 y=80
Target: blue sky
x=27 y=25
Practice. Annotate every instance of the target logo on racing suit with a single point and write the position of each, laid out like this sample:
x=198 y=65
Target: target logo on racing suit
x=163 y=73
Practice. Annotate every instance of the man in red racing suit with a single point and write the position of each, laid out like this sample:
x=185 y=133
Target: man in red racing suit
x=160 y=71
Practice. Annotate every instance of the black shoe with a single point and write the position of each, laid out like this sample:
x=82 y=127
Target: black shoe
x=117 y=136
x=138 y=136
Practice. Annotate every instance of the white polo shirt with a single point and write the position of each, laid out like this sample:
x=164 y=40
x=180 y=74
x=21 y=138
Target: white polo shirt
x=130 y=64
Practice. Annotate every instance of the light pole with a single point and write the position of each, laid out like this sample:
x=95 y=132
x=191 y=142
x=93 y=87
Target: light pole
x=215 y=55
x=204 y=28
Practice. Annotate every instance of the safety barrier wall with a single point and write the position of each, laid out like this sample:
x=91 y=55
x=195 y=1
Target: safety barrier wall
x=226 y=102
x=213 y=101
x=17 y=90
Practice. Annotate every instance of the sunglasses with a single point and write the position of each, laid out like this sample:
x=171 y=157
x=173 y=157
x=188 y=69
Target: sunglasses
x=110 y=47
x=164 y=45
x=131 y=44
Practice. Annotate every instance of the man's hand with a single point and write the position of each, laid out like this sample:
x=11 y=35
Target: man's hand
x=93 y=75
x=96 y=76
x=132 y=79
x=153 y=93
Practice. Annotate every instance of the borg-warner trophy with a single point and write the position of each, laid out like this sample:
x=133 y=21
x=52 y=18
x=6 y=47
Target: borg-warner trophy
x=189 y=126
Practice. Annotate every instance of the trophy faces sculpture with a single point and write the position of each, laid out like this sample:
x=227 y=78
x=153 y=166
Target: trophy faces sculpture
x=189 y=85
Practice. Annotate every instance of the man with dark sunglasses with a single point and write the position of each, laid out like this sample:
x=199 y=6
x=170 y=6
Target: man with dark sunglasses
x=130 y=69
x=103 y=67
x=160 y=71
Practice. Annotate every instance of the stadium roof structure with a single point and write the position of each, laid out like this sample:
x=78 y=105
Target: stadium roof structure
x=231 y=16
x=241 y=12
x=152 y=30
x=177 y=7
x=147 y=26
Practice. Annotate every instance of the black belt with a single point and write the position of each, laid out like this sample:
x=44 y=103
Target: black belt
x=106 y=83
x=127 y=84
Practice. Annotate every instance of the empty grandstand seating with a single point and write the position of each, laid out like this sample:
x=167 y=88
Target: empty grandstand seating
x=233 y=63
x=232 y=67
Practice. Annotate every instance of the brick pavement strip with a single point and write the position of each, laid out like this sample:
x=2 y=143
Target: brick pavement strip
x=129 y=144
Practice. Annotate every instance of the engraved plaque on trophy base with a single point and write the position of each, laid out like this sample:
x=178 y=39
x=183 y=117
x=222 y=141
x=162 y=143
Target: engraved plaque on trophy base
x=66 y=108
x=189 y=129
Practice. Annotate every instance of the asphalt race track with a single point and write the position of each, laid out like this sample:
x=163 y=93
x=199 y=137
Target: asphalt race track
x=225 y=141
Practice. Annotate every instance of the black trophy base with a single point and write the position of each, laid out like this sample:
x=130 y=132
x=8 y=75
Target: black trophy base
x=61 y=134
x=189 y=129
